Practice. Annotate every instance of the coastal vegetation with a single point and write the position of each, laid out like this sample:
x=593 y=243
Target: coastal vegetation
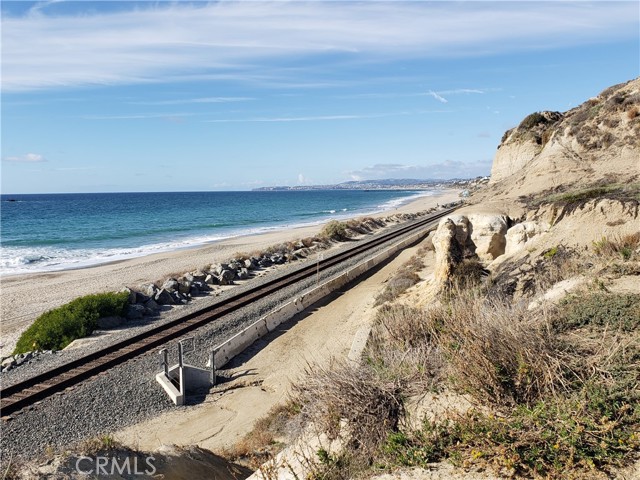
x=57 y=328
x=404 y=278
x=550 y=392
x=334 y=230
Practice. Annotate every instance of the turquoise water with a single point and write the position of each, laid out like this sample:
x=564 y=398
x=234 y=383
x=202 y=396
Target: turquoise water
x=63 y=231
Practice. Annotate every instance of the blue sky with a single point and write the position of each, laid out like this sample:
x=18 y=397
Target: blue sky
x=233 y=95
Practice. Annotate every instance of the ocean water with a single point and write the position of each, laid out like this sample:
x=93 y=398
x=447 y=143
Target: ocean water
x=63 y=231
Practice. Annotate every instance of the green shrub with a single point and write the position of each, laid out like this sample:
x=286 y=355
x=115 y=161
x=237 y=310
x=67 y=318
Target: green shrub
x=532 y=120
x=591 y=430
x=57 y=328
x=623 y=247
x=600 y=309
x=468 y=273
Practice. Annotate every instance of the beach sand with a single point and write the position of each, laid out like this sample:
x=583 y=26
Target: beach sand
x=24 y=297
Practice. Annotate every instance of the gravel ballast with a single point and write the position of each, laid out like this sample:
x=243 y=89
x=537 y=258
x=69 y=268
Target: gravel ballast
x=128 y=393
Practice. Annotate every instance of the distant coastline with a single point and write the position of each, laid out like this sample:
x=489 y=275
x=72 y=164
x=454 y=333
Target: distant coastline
x=405 y=184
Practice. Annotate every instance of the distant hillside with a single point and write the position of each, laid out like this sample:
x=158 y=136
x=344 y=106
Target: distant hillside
x=384 y=184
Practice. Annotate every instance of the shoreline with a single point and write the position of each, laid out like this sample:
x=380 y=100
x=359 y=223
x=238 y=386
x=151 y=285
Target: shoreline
x=199 y=241
x=25 y=296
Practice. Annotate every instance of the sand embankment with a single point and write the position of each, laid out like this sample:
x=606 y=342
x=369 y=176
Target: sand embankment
x=24 y=297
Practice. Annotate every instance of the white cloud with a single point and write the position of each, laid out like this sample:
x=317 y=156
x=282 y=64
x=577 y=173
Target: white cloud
x=196 y=100
x=443 y=170
x=239 y=40
x=139 y=116
x=316 y=118
x=26 y=158
x=438 y=97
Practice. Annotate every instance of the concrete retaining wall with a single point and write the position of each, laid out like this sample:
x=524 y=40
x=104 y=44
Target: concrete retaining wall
x=242 y=340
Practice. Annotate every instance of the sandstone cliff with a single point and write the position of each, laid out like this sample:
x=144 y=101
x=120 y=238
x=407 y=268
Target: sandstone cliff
x=599 y=141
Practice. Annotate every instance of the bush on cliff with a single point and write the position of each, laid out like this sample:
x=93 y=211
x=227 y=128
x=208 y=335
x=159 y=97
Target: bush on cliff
x=57 y=328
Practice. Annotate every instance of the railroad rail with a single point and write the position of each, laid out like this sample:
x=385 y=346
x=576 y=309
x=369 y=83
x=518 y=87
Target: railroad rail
x=28 y=392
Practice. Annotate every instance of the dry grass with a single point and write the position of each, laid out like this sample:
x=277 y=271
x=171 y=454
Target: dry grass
x=356 y=396
x=262 y=443
x=404 y=278
x=625 y=247
x=499 y=352
x=401 y=343
x=633 y=112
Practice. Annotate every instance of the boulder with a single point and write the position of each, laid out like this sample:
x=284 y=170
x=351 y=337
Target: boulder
x=148 y=289
x=277 y=258
x=201 y=286
x=210 y=280
x=180 y=298
x=235 y=266
x=517 y=236
x=250 y=264
x=488 y=234
x=301 y=252
x=448 y=250
x=171 y=285
x=243 y=274
x=198 y=276
x=188 y=277
x=226 y=277
x=135 y=312
x=141 y=298
x=184 y=285
x=462 y=227
x=110 y=322
x=151 y=306
x=164 y=297
x=264 y=262
x=132 y=295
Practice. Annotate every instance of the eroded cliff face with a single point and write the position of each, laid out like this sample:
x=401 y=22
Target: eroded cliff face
x=567 y=179
x=597 y=141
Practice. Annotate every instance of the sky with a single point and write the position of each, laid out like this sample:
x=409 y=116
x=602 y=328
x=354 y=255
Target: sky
x=232 y=95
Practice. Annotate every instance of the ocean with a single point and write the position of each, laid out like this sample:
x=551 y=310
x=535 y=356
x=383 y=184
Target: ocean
x=50 y=232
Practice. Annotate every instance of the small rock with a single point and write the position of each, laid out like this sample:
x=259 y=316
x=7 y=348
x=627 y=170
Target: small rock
x=9 y=361
x=135 y=312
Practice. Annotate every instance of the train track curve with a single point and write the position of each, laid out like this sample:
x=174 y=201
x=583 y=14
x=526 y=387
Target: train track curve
x=28 y=392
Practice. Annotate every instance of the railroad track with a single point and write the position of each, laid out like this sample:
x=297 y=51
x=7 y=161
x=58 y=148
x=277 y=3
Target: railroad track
x=28 y=392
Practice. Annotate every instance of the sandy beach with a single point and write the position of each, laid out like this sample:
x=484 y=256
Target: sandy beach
x=24 y=297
